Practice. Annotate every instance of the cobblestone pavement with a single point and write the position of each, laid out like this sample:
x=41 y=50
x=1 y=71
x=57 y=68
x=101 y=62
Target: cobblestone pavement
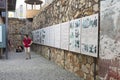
x=37 y=68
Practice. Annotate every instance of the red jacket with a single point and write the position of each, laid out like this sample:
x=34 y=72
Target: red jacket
x=27 y=42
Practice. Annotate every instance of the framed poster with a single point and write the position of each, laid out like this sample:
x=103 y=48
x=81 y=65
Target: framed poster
x=52 y=37
x=74 y=35
x=0 y=33
x=57 y=35
x=89 y=35
x=65 y=35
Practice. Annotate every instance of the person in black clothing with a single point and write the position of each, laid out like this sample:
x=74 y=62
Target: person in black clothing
x=19 y=49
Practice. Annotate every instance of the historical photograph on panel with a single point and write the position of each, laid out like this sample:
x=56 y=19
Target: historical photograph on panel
x=43 y=36
x=40 y=36
x=36 y=36
x=74 y=35
x=52 y=37
x=65 y=35
x=109 y=63
x=89 y=35
x=57 y=35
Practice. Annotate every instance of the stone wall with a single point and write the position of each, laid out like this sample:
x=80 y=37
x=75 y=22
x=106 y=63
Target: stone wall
x=62 y=11
x=1 y=20
x=16 y=30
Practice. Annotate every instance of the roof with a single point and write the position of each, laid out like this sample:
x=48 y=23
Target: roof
x=33 y=1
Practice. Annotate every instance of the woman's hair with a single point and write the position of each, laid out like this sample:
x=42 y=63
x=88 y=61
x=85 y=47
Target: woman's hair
x=26 y=35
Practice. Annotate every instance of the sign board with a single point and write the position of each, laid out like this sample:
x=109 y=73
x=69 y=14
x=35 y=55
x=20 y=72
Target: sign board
x=75 y=35
x=89 y=37
x=52 y=36
x=57 y=35
x=2 y=36
x=0 y=33
x=65 y=35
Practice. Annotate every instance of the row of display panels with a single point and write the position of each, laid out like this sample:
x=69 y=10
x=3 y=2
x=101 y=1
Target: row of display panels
x=79 y=35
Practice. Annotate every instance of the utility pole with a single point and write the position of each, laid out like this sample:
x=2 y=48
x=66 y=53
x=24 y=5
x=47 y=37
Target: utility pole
x=6 y=25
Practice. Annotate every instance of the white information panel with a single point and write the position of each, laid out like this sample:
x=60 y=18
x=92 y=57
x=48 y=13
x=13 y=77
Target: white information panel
x=65 y=35
x=57 y=36
x=89 y=37
x=43 y=32
x=47 y=39
x=74 y=35
x=52 y=37
x=37 y=36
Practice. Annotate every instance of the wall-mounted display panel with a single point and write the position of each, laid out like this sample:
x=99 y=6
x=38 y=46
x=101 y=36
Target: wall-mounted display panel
x=52 y=36
x=46 y=36
x=75 y=35
x=57 y=35
x=65 y=35
x=89 y=35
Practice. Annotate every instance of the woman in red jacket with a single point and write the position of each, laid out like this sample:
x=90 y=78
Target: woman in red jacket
x=27 y=43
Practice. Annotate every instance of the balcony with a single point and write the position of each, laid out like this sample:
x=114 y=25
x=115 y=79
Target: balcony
x=31 y=13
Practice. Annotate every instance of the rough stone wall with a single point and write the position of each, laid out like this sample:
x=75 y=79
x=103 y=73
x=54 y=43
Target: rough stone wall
x=14 y=33
x=16 y=30
x=1 y=20
x=62 y=11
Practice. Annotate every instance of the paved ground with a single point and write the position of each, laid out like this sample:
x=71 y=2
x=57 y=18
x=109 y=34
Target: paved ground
x=37 y=68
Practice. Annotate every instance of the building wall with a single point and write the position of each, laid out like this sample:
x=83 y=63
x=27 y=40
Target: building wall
x=1 y=20
x=109 y=62
x=60 y=11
